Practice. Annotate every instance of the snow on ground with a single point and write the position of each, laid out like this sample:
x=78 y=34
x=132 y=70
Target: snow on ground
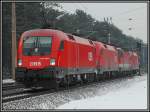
x=8 y=81
x=122 y=93
x=134 y=97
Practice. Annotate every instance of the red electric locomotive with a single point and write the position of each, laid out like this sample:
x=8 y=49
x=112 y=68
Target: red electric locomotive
x=107 y=57
x=121 y=60
x=52 y=55
x=134 y=64
x=128 y=61
x=51 y=58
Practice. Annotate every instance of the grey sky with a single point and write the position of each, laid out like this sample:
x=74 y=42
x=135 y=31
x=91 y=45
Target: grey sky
x=120 y=13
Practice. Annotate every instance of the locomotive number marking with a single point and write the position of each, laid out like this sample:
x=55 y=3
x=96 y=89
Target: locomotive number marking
x=35 y=63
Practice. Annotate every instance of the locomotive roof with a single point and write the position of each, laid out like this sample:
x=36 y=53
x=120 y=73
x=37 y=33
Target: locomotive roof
x=44 y=31
x=134 y=53
x=111 y=48
x=61 y=34
x=100 y=43
x=83 y=40
x=106 y=46
x=38 y=30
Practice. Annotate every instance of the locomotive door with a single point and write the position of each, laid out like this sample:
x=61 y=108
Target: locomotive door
x=77 y=56
x=98 y=61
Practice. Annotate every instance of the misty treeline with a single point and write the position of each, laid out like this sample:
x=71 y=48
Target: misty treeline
x=46 y=15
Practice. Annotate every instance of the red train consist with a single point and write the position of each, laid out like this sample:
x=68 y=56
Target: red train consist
x=51 y=56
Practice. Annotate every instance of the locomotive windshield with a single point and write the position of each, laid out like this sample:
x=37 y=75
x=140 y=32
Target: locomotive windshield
x=37 y=45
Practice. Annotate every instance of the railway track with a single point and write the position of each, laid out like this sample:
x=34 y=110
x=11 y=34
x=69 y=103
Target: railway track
x=27 y=93
x=10 y=86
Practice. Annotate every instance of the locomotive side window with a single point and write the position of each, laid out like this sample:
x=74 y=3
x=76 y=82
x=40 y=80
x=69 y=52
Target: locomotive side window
x=61 y=45
x=71 y=37
x=90 y=41
x=105 y=45
x=37 y=45
x=120 y=52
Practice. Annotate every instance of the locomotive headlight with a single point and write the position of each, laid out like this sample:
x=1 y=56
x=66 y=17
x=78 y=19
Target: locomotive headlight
x=19 y=62
x=52 y=61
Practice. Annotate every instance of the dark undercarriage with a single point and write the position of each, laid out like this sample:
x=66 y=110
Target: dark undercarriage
x=48 y=77
x=53 y=77
x=43 y=77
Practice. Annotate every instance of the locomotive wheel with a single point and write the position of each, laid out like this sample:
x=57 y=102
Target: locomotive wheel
x=65 y=82
x=109 y=75
x=57 y=86
x=138 y=73
x=83 y=78
x=19 y=80
x=95 y=78
x=27 y=84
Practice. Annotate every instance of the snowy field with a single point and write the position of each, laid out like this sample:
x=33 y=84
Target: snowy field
x=6 y=81
x=130 y=97
x=123 y=93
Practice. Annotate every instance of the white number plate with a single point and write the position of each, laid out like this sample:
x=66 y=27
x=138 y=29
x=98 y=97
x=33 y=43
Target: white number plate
x=35 y=63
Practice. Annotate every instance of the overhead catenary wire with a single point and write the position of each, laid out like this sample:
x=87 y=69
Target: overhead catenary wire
x=127 y=12
x=120 y=14
x=114 y=17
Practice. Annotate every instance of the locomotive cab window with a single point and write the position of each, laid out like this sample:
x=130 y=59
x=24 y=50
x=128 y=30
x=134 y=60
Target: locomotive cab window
x=61 y=45
x=36 y=45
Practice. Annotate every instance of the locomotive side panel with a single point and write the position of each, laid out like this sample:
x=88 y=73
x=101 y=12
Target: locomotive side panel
x=86 y=56
x=62 y=55
x=101 y=58
x=134 y=61
x=56 y=56
x=113 y=60
x=126 y=58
